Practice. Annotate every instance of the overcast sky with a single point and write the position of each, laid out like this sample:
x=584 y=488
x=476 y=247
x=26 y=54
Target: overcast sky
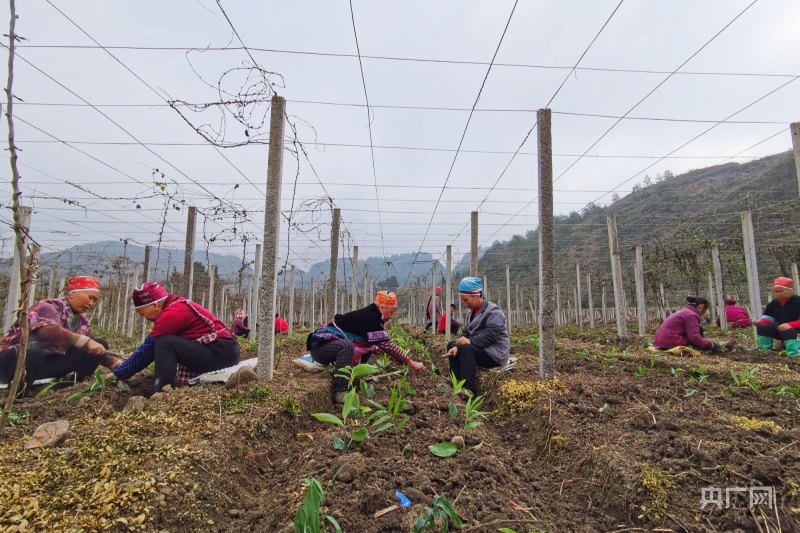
x=415 y=159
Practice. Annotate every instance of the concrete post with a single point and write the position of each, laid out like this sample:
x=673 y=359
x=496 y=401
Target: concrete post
x=712 y=297
x=35 y=274
x=354 y=288
x=508 y=297
x=520 y=320
x=146 y=267
x=751 y=262
x=254 y=299
x=117 y=308
x=212 y=274
x=473 y=257
x=291 y=302
x=664 y=307
x=124 y=309
x=547 y=331
x=448 y=286
x=188 y=253
x=333 y=280
x=131 y=310
x=591 y=301
x=302 y=306
x=559 y=320
x=641 y=302
x=313 y=305
x=579 y=297
x=616 y=273
x=795 y=277
x=603 y=305
x=794 y=129
x=51 y=289
x=366 y=292
x=14 y=282
x=432 y=300
x=272 y=224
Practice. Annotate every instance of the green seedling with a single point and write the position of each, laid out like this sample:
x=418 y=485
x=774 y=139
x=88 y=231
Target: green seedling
x=785 y=390
x=99 y=382
x=16 y=418
x=603 y=408
x=676 y=371
x=367 y=391
x=471 y=413
x=452 y=408
x=441 y=510
x=351 y=409
x=699 y=375
x=382 y=362
x=307 y=519
x=389 y=416
x=639 y=374
x=747 y=379
x=351 y=374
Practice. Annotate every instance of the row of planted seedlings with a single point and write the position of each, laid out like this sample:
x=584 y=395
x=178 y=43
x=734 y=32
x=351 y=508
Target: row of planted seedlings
x=363 y=415
x=696 y=376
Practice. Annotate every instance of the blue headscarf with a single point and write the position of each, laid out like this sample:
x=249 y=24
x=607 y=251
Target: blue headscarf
x=470 y=286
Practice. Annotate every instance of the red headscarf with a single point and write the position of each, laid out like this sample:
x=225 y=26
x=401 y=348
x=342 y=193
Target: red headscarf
x=82 y=283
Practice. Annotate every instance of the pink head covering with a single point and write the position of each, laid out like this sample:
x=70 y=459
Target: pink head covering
x=783 y=283
x=239 y=313
x=150 y=292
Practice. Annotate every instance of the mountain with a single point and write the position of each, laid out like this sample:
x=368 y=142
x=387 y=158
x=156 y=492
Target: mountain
x=392 y=272
x=98 y=258
x=677 y=220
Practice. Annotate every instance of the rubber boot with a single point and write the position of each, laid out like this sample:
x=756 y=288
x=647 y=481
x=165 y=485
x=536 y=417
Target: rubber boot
x=792 y=347
x=764 y=343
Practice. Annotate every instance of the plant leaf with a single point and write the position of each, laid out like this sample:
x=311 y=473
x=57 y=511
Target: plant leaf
x=383 y=428
x=472 y=425
x=333 y=521
x=452 y=409
x=338 y=443
x=443 y=449
x=322 y=417
x=359 y=435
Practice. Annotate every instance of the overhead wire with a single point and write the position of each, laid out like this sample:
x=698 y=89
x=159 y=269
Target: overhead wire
x=369 y=120
x=466 y=126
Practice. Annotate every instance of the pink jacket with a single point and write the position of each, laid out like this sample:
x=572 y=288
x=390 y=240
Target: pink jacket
x=681 y=329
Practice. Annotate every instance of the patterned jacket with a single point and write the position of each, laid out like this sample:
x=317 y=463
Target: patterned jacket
x=54 y=328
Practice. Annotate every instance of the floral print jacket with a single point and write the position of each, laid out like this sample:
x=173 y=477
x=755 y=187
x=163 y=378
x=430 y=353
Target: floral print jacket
x=54 y=328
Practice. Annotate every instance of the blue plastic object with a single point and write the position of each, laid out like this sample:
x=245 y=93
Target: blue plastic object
x=404 y=502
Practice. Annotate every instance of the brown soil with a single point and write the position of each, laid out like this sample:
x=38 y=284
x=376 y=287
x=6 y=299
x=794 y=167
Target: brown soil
x=628 y=448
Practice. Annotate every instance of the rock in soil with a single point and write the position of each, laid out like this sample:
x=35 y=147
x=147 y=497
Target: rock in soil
x=243 y=376
x=135 y=402
x=48 y=435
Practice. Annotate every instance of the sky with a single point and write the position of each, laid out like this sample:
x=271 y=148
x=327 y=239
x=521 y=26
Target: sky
x=453 y=89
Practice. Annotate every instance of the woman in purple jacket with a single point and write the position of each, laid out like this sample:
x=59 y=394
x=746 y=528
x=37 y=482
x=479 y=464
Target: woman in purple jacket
x=683 y=328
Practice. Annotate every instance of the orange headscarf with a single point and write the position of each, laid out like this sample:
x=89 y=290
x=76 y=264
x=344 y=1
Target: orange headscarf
x=386 y=299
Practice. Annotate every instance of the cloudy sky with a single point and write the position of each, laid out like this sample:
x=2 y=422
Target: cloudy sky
x=93 y=80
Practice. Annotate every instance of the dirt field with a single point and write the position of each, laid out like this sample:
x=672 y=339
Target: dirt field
x=625 y=440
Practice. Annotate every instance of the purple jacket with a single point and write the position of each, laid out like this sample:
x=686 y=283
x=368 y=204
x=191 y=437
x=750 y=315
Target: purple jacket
x=681 y=329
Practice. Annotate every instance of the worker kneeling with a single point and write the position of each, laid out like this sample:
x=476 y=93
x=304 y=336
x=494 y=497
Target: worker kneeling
x=781 y=319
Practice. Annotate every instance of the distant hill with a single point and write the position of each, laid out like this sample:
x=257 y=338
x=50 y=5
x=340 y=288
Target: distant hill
x=402 y=269
x=676 y=219
x=96 y=259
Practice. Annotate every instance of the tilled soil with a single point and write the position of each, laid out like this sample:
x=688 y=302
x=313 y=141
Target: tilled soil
x=626 y=442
